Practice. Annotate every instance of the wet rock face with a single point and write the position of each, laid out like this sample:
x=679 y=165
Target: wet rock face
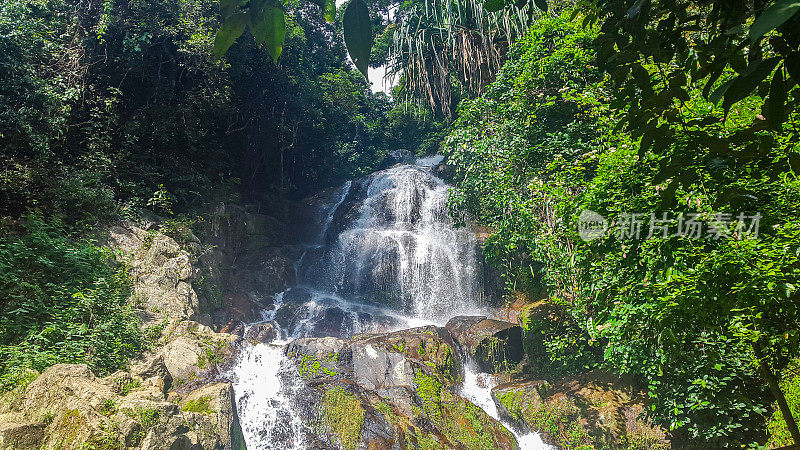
x=495 y=345
x=399 y=388
x=261 y=333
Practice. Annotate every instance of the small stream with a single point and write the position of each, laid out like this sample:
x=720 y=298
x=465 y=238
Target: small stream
x=386 y=257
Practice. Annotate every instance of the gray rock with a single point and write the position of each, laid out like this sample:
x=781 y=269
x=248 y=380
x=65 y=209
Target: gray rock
x=375 y=367
x=261 y=332
x=495 y=345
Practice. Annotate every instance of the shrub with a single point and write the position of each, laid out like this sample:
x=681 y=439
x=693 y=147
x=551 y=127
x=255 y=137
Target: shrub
x=62 y=301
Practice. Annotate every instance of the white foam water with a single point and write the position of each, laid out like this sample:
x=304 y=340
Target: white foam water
x=477 y=388
x=266 y=384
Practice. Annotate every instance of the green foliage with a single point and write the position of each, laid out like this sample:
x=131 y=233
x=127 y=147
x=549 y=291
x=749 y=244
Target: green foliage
x=686 y=316
x=559 y=419
x=448 y=50
x=63 y=302
x=198 y=405
x=556 y=344
x=343 y=414
x=107 y=112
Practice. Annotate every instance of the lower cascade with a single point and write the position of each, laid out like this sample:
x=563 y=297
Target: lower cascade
x=381 y=343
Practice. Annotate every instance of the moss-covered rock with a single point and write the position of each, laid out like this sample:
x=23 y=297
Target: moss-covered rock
x=391 y=390
x=67 y=407
x=593 y=410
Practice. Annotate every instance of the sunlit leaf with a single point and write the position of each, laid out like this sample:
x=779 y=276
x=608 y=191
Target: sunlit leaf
x=358 y=34
x=773 y=17
x=270 y=31
x=231 y=29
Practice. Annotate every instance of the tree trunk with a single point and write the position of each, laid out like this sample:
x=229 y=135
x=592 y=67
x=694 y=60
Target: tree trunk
x=776 y=391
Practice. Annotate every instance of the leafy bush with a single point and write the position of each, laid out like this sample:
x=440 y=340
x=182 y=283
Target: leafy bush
x=697 y=321
x=63 y=301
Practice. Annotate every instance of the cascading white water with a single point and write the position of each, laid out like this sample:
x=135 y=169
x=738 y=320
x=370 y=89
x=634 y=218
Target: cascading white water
x=387 y=257
x=402 y=249
x=477 y=388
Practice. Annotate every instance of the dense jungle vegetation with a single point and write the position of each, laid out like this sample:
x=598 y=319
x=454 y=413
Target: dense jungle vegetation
x=120 y=108
x=662 y=110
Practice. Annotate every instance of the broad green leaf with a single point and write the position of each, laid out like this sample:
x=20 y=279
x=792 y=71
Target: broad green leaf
x=231 y=29
x=358 y=34
x=776 y=112
x=270 y=31
x=327 y=8
x=541 y=4
x=773 y=17
x=743 y=85
x=493 y=5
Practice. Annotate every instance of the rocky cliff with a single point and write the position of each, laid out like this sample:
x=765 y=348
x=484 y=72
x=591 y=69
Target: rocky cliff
x=173 y=397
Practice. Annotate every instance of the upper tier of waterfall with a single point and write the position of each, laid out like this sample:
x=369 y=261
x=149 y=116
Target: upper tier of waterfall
x=391 y=242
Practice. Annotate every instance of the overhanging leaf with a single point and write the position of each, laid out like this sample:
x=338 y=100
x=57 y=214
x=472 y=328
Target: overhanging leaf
x=743 y=85
x=358 y=34
x=270 y=31
x=773 y=17
x=231 y=29
x=493 y=5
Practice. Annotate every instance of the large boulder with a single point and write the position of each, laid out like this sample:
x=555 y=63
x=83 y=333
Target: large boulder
x=390 y=390
x=495 y=345
x=68 y=407
x=592 y=409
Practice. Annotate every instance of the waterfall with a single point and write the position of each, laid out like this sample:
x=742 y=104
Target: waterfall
x=401 y=248
x=386 y=256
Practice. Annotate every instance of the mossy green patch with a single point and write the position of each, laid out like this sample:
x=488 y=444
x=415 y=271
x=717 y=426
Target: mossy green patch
x=459 y=420
x=212 y=354
x=147 y=417
x=126 y=385
x=199 y=405
x=311 y=367
x=343 y=414
x=429 y=390
x=69 y=428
